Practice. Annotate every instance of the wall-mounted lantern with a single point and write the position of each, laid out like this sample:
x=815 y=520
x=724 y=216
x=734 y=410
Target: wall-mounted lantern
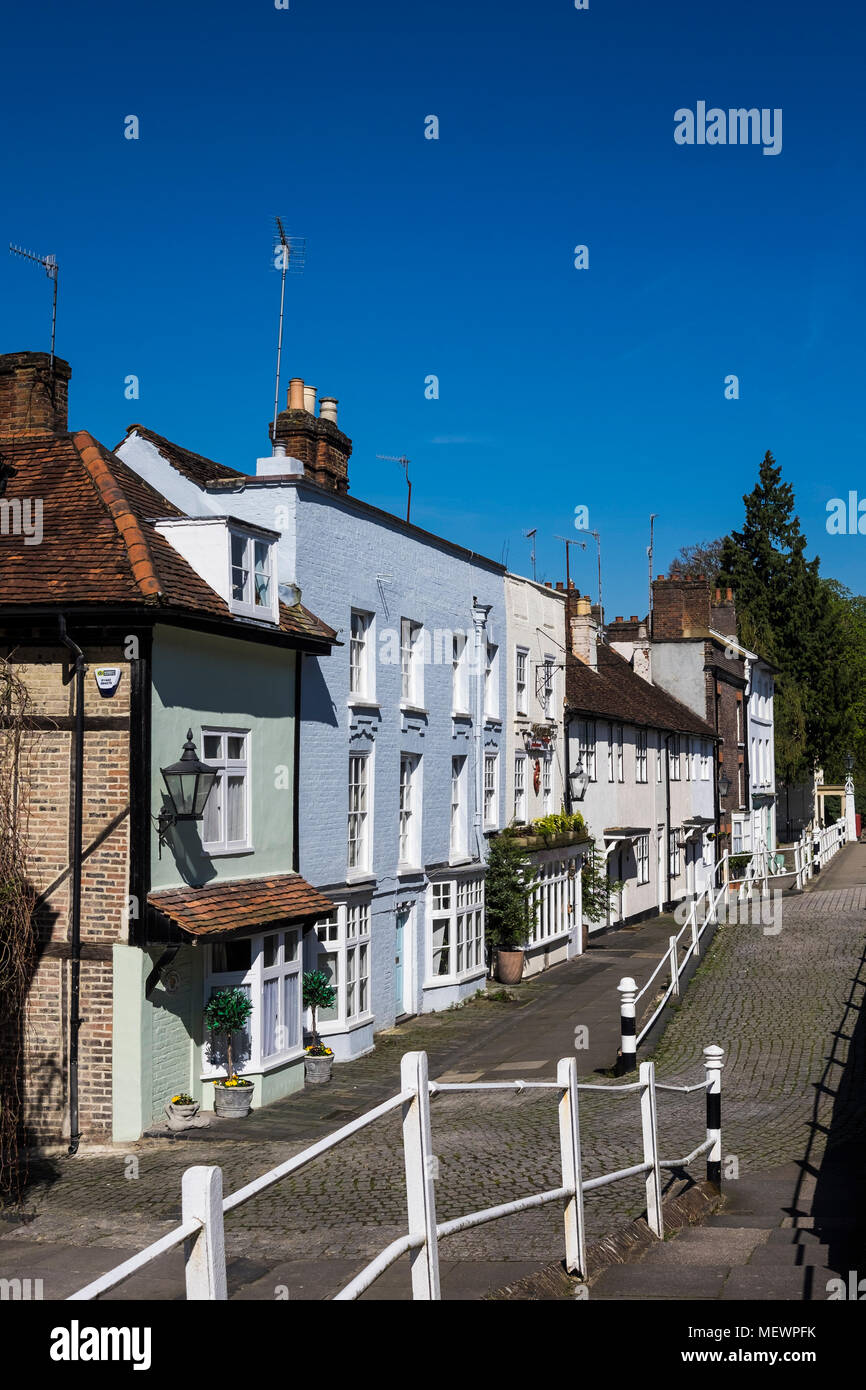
x=189 y=783
x=724 y=786
x=578 y=781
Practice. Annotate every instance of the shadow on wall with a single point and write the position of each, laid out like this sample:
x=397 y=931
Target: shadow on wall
x=317 y=706
x=183 y=843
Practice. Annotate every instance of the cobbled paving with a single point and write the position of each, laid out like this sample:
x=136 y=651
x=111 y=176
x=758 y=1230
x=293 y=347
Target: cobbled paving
x=773 y=1002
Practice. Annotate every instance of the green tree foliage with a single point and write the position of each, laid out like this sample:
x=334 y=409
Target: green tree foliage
x=509 y=915
x=704 y=557
x=801 y=622
x=319 y=993
x=227 y=1013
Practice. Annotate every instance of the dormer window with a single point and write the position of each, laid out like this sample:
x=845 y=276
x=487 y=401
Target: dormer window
x=251 y=575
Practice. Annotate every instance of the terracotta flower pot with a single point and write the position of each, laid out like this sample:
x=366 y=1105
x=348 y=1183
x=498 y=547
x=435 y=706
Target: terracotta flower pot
x=317 y=1070
x=509 y=967
x=232 y=1101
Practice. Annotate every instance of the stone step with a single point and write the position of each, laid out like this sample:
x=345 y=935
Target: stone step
x=706 y=1245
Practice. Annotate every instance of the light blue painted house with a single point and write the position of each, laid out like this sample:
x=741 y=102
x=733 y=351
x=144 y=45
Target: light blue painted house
x=401 y=755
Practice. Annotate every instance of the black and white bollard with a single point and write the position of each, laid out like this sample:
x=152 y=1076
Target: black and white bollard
x=627 y=1059
x=713 y=1063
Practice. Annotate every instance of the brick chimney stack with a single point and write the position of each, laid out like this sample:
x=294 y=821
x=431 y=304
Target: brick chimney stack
x=33 y=395
x=680 y=604
x=723 y=614
x=582 y=627
x=315 y=440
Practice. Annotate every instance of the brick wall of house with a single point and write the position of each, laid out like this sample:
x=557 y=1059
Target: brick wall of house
x=49 y=749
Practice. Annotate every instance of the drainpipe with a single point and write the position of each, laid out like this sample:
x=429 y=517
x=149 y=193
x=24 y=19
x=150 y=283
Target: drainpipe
x=75 y=942
x=668 y=816
x=480 y=612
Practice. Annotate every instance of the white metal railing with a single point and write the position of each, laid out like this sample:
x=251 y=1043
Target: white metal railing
x=630 y=996
x=204 y=1207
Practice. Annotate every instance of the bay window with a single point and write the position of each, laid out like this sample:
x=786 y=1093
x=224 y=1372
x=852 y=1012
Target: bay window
x=457 y=929
x=344 y=956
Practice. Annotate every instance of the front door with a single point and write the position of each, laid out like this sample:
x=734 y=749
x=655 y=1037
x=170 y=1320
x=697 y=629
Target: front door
x=400 y=961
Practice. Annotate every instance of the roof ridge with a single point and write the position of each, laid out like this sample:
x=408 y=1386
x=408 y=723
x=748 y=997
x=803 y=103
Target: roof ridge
x=150 y=434
x=114 y=500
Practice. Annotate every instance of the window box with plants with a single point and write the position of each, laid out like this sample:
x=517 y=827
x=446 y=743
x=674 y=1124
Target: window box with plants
x=319 y=993
x=226 y=1015
x=550 y=832
x=509 y=912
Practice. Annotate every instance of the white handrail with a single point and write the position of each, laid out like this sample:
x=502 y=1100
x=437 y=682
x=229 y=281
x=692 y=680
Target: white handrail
x=202 y=1186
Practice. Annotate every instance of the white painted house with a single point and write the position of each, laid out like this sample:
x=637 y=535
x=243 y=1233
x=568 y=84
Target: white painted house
x=642 y=764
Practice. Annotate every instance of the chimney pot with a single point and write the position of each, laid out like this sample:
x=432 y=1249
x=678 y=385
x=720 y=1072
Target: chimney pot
x=310 y=399
x=618 y=618
x=729 y=595
x=659 y=576
x=634 y=618
x=296 y=393
x=559 y=586
x=547 y=584
x=328 y=409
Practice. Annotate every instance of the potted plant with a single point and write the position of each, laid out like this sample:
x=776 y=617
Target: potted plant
x=227 y=1013
x=508 y=914
x=182 y=1106
x=319 y=993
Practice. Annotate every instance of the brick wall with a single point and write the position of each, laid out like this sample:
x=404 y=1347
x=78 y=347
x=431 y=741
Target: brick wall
x=49 y=752
x=33 y=395
x=680 y=604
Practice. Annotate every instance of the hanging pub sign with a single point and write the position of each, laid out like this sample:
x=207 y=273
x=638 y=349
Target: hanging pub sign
x=107 y=679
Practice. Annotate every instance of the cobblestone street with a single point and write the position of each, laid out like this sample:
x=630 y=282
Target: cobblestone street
x=773 y=1002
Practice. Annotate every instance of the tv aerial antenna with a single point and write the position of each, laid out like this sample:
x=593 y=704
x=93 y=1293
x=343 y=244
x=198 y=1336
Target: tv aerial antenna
x=404 y=464
x=290 y=254
x=51 y=268
x=530 y=536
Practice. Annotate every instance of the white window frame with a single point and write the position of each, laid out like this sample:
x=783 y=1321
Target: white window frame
x=674 y=855
x=345 y=936
x=620 y=761
x=586 y=746
x=521 y=680
x=694 y=745
x=411 y=663
x=547 y=685
x=610 y=753
x=705 y=763
x=659 y=755
x=455 y=909
x=459 y=819
x=640 y=755
x=491 y=791
x=227 y=767
x=547 y=783
x=642 y=858
x=520 y=761
x=249 y=606
x=252 y=981
x=409 y=842
x=459 y=673
x=362 y=667
x=556 y=895
x=364 y=810
x=674 y=756
x=491 y=681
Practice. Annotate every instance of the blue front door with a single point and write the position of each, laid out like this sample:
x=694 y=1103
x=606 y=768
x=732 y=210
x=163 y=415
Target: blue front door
x=399 y=956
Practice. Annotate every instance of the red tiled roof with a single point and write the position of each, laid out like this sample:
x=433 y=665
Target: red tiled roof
x=240 y=907
x=199 y=469
x=99 y=544
x=615 y=691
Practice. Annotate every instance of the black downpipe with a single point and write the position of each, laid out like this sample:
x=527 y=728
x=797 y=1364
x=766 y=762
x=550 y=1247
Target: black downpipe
x=296 y=774
x=75 y=943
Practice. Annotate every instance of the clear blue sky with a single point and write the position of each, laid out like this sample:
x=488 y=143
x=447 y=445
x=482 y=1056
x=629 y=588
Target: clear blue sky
x=454 y=257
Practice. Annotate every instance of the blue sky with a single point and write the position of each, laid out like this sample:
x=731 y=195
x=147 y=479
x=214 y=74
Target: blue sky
x=602 y=387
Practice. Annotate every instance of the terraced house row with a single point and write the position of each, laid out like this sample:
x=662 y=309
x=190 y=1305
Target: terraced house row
x=371 y=702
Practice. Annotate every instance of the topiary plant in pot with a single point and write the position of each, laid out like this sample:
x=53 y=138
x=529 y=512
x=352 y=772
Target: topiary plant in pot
x=319 y=993
x=509 y=914
x=226 y=1014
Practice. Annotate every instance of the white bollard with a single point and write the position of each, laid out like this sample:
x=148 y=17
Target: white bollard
x=420 y=1164
x=713 y=1063
x=625 y=1062
x=674 y=966
x=649 y=1130
x=204 y=1253
x=569 y=1144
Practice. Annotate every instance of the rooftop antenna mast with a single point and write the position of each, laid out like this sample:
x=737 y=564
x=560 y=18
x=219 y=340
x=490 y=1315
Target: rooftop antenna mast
x=649 y=552
x=51 y=268
x=404 y=464
x=569 y=540
x=530 y=536
x=290 y=253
